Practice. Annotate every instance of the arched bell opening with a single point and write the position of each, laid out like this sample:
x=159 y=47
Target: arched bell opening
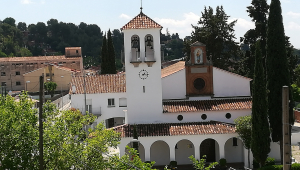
x=135 y=48
x=149 y=48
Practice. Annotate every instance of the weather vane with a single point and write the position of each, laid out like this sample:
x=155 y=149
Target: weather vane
x=141 y=5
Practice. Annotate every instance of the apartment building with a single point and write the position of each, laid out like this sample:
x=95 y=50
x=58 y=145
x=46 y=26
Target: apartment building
x=13 y=69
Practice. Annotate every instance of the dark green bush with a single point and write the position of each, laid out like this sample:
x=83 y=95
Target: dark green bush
x=269 y=161
x=173 y=164
x=295 y=166
x=222 y=162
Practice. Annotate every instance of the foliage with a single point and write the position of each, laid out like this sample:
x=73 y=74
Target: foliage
x=217 y=34
x=296 y=92
x=66 y=143
x=269 y=161
x=260 y=135
x=50 y=87
x=110 y=54
x=104 y=59
x=126 y=163
x=18 y=133
x=222 y=162
x=295 y=166
x=173 y=164
x=201 y=165
x=276 y=78
x=243 y=128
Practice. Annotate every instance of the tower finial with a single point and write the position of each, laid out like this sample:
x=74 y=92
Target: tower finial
x=141 y=6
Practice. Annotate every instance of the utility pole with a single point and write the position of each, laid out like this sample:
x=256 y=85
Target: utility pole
x=286 y=129
x=41 y=149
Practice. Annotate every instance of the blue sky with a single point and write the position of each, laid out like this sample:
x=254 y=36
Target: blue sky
x=176 y=15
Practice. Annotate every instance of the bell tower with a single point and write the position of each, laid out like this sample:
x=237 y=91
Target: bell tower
x=143 y=69
x=199 y=72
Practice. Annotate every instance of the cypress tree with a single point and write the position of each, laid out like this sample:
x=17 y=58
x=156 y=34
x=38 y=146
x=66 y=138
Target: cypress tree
x=260 y=135
x=277 y=69
x=111 y=54
x=104 y=65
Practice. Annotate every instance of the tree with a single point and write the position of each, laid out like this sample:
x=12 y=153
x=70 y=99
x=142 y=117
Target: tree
x=276 y=78
x=243 y=128
x=18 y=133
x=217 y=34
x=50 y=87
x=66 y=144
x=104 y=59
x=111 y=54
x=260 y=135
x=22 y=26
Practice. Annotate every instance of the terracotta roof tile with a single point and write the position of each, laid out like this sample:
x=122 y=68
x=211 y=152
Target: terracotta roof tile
x=37 y=58
x=207 y=105
x=172 y=69
x=175 y=129
x=141 y=21
x=109 y=83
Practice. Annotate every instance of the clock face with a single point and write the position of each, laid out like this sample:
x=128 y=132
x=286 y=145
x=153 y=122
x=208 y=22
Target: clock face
x=143 y=74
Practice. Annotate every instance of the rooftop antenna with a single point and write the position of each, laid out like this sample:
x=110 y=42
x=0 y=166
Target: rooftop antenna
x=141 y=6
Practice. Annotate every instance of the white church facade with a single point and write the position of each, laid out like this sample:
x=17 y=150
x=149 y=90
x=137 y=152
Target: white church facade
x=185 y=109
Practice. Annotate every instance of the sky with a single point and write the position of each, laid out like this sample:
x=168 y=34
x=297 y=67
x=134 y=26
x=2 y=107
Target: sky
x=175 y=15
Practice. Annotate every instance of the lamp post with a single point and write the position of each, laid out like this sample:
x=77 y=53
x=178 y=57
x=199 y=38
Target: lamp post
x=26 y=85
x=61 y=91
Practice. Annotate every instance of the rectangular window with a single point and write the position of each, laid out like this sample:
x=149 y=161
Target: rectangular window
x=3 y=74
x=88 y=108
x=111 y=102
x=144 y=89
x=3 y=83
x=17 y=73
x=234 y=142
x=122 y=102
x=18 y=83
x=47 y=74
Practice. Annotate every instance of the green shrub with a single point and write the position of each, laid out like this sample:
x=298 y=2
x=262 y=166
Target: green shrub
x=173 y=164
x=222 y=162
x=269 y=161
x=295 y=166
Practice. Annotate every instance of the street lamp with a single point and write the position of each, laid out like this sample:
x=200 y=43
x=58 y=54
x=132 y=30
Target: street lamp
x=61 y=91
x=26 y=85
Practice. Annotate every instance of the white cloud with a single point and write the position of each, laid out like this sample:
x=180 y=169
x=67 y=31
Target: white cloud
x=26 y=1
x=293 y=14
x=182 y=27
x=293 y=26
x=242 y=23
x=125 y=16
x=43 y=1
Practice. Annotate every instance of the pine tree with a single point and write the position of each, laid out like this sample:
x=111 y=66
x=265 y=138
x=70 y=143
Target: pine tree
x=110 y=54
x=260 y=135
x=277 y=69
x=104 y=65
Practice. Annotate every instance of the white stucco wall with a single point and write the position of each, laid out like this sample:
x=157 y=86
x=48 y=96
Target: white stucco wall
x=234 y=150
x=100 y=104
x=185 y=148
x=174 y=86
x=230 y=84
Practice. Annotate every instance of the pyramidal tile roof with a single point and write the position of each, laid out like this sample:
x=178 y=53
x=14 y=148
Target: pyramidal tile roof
x=141 y=21
x=176 y=129
x=207 y=105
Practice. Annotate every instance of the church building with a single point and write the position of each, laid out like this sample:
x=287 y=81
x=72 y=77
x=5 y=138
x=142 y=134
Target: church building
x=185 y=109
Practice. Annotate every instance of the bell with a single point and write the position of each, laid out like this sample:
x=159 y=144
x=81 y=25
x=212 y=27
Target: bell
x=149 y=41
x=135 y=42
